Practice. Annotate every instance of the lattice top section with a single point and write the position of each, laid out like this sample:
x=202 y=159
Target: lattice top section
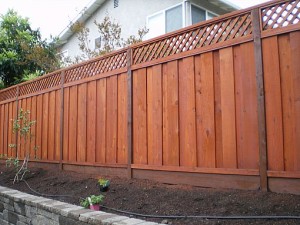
x=92 y=68
x=50 y=81
x=8 y=94
x=281 y=15
x=198 y=37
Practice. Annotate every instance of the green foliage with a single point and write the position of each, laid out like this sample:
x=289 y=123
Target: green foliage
x=22 y=50
x=103 y=182
x=22 y=127
x=91 y=200
x=110 y=33
x=30 y=76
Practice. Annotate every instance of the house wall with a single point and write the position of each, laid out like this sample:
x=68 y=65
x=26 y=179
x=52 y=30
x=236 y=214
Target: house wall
x=131 y=15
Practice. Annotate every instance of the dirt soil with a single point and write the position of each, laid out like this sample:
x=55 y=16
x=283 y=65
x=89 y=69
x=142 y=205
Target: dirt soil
x=148 y=197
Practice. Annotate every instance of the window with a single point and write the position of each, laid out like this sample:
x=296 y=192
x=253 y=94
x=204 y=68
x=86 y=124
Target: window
x=174 y=18
x=198 y=14
x=165 y=21
x=210 y=15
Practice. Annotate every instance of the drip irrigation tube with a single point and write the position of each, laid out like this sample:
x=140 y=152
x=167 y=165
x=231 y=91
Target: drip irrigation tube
x=178 y=216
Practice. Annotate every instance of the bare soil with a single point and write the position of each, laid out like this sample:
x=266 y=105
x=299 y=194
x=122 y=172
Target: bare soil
x=148 y=197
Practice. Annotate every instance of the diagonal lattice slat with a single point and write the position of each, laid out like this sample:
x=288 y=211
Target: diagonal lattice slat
x=202 y=36
x=101 y=65
x=49 y=81
x=281 y=15
x=8 y=94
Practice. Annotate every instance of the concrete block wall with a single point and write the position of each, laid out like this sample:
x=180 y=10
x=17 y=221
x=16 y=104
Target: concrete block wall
x=19 y=208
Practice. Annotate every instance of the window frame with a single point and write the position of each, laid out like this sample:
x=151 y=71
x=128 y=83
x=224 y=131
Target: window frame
x=163 y=12
x=206 y=12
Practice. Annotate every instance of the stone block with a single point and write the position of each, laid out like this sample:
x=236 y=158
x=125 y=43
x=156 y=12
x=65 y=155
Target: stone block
x=12 y=217
x=48 y=214
x=1 y=207
x=42 y=220
x=129 y=221
x=30 y=211
x=3 y=222
x=69 y=221
x=114 y=219
x=19 y=208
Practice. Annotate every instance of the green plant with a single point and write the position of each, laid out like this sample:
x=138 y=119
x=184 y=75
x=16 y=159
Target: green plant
x=103 y=182
x=22 y=128
x=91 y=200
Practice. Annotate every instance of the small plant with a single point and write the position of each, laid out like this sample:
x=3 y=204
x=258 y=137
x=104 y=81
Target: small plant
x=22 y=127
x=104 y=184
x=91 y=200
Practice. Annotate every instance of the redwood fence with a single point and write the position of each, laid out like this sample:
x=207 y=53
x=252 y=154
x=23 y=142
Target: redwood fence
x=216 y=104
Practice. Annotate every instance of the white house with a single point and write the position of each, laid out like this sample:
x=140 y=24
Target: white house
x=159 y=16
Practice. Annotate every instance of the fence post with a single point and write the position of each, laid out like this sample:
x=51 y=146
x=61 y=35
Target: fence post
x=256 y=18
x=129 y=112
x=61 y=144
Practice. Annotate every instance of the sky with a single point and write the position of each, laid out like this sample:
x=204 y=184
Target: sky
x=53 y=16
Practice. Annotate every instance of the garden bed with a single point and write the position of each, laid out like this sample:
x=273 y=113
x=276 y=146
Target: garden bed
x=147 y=197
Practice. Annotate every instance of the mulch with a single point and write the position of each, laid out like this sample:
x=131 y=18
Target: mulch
x=152 y=198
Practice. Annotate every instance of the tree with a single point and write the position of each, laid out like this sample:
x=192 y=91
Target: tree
x=110 y=39
x=22 y=50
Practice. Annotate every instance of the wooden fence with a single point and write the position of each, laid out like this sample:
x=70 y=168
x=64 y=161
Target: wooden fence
x=216 y=104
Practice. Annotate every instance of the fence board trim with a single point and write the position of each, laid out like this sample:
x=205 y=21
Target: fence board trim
x=226 y=171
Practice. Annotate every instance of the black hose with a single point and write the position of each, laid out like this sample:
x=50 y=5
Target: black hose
x=46 y=195
x=179 y=217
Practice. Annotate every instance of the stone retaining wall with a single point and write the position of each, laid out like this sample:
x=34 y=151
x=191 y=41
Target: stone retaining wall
x=23 y=209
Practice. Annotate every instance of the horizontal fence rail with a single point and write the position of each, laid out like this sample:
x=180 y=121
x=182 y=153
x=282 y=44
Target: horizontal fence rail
x=214 y=104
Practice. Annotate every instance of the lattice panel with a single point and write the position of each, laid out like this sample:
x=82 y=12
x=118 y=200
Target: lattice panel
x=281 y=15
x=8 y=94
x=205 y=35
x=93 y=68
x=40 y=84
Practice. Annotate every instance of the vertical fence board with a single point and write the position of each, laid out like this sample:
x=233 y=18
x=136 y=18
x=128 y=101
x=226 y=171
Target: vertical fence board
x=112 y=119
x=246 y=107
x=28 y=108
x=154 y=114
x=66 y=124
x=273 y=104
x=33 y=128
x=1 y=129
x=228 y=108
x=10 y=128
x=218 y=110
x=101 y=121
x=295 y=51
x=81 y=122
x=170 y=114
x=187 y=123
x=57 y=127
x=288 y=104
x=73 y=114
x=122 y=119
x=91 y=121
x=205 y=112
x=5 y=136
x=22 y=139
x=140 y=117
x=39 y=125
x=51 y=125
x=45 y=126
